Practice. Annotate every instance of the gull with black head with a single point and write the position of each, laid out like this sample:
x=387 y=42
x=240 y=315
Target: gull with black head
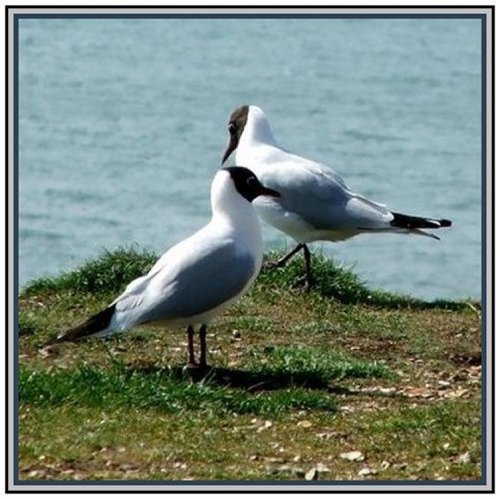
x=198 y=277
x=315 y=203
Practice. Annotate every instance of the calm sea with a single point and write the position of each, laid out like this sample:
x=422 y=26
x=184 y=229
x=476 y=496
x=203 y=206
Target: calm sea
x=122 y=124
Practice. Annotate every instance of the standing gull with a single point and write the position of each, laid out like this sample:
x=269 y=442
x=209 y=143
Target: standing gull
x=198 y=277
x=315 y=203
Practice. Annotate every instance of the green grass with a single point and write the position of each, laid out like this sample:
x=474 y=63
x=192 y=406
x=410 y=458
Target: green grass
x=111 y=272
x=345 y=286
x=298 y=379
x=307 y=364
x=171 y=390
x=162 y=390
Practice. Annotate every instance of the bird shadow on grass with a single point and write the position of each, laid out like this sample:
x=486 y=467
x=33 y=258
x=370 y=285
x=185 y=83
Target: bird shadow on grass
x=251 y=381
x=254 y=381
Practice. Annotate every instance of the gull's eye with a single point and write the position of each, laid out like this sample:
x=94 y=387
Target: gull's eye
x=231 y=127
x=251 y=181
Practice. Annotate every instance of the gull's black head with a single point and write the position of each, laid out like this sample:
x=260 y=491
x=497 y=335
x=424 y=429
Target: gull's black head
x=247 y=184
x=235 y=126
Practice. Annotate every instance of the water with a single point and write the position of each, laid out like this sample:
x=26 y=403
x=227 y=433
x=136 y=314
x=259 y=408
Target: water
x=123 y=124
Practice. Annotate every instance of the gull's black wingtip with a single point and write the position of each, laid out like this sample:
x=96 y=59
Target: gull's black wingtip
x=93 y=325
x=410 y=222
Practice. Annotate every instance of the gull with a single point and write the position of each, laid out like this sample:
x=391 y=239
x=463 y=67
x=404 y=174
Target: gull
x=315 y=203
x=197 y=278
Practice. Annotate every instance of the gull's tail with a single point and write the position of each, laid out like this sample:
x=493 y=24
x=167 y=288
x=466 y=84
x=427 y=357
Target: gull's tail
x=98 y=323
x=415 y=224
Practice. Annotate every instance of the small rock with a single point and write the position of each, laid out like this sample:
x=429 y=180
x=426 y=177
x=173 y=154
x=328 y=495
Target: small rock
x=312 y=474
x=463 y=458
x=128 y=467
x=367 y=471
x=387 y=391
x=47 y=351
x=304 y=424
x=284 y=467
x=347 y=408
x=322 y=468
x=354 y=455
x=267 y=424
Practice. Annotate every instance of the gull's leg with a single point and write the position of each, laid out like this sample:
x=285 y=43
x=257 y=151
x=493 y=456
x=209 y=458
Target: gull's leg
x=203 y=346
x=307 y=281
x=190 y=347
x=284 y=259
x=309 y=276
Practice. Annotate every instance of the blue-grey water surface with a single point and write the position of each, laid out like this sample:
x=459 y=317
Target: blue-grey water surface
x=122 y=125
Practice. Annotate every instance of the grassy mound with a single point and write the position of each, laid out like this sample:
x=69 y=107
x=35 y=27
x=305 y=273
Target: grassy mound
x=298 y=380
x=113 y=270
x=110 y=272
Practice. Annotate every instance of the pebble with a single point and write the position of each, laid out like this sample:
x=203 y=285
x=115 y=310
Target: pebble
x=354 y=455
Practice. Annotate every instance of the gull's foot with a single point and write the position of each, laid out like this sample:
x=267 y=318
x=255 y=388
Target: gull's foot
x=272 y=264
x=196 y=371
x=304 y=283
x=204 y=369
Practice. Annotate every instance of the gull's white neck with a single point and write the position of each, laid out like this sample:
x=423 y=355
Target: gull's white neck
x=257 y=129
x=233 y=214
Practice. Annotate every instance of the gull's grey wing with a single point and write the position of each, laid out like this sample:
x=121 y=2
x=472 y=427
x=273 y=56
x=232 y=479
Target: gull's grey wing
x=197 y=284
x=321 y=197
